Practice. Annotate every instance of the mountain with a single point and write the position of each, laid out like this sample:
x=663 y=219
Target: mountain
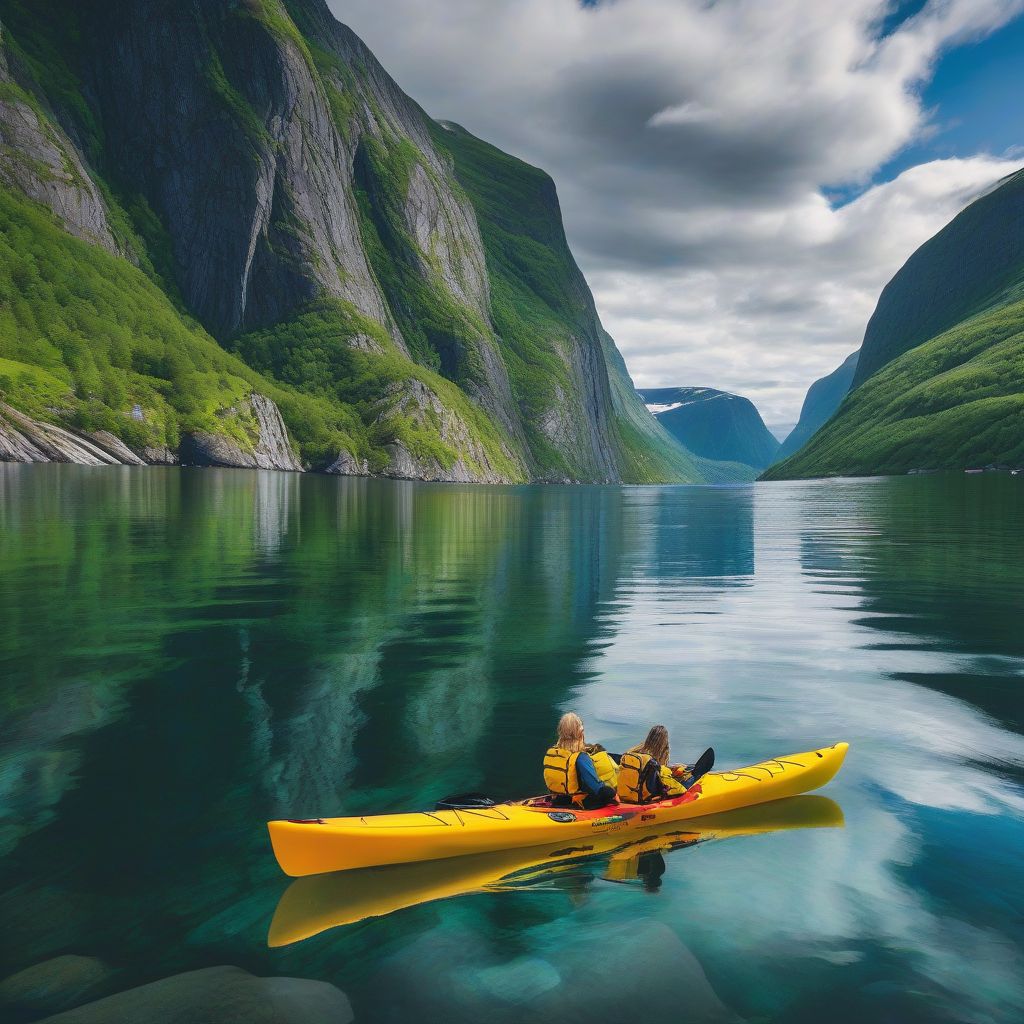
x=713 y=424
x=229 y=238
x=822 y=399
x=940 y=380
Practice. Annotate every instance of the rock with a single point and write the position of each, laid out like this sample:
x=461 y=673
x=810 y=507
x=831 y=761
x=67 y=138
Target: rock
x=23 y=439
x=37 y=157
x=519 y=981
x=54 y=985
x=364 y=343
x=452 y=973
x=15 y=446
x=218 y=995
x=260 y=210
x=272 y=449
x=413 y=400
x=346 y=464
x=115 y=447
x=159 y=456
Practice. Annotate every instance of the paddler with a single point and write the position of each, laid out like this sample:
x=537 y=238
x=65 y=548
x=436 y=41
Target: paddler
x=645 y=773
x=570 y=773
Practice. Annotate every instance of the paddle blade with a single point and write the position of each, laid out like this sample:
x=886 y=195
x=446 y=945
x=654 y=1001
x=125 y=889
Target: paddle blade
x=704 y=764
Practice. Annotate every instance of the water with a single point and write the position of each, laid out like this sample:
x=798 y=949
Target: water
x=185 y=654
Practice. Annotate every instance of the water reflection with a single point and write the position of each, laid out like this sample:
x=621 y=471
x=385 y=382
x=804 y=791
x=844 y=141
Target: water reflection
x=187 y=654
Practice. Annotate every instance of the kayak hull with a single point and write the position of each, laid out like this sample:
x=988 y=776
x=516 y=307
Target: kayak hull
x=316 y=903
x=342 y=844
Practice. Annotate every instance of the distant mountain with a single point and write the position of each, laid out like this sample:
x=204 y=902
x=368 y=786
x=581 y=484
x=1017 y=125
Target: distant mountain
x=940 y=380
x=822 y=400
x=228 y=237
x=713 y=424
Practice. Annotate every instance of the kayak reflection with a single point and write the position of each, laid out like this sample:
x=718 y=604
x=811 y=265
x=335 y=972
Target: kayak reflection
x=316 y=903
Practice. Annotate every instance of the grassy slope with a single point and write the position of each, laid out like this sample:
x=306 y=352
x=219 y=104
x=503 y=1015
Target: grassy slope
x=963 y=270
x=540 y=300
x=84 y=336
x=955 y=401
x=940 y=378
x=310 y=354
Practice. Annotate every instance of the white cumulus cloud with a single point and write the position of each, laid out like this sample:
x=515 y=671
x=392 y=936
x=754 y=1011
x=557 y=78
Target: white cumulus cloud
x=695 y=146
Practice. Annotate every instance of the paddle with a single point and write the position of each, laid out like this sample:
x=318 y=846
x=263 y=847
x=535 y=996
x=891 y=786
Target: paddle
x=704 y=764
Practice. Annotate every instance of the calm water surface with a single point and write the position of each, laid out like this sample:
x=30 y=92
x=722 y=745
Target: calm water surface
x=185 y=654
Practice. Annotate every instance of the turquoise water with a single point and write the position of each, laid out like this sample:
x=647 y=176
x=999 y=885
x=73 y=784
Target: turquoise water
x=185 y=654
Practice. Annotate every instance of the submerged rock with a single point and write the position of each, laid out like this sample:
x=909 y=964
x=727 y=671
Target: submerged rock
x=54 y=985
x=218 y=995
x=455 y=973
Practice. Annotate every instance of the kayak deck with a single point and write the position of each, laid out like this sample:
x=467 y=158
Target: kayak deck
x=320 y=845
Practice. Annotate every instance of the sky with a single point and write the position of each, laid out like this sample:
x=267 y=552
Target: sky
x=738 y=178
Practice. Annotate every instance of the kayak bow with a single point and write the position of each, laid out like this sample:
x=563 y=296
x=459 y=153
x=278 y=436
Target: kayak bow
x=339 y=844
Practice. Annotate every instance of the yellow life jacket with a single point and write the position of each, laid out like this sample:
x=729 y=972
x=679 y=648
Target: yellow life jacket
x=606 y=768
x=637 y=779
x=560 y=775
x=672 y=784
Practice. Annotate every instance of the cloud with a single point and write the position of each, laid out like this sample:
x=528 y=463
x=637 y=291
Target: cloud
x=695 y=145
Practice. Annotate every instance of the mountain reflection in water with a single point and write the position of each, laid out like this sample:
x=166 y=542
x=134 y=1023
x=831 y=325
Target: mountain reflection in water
x=186 y=654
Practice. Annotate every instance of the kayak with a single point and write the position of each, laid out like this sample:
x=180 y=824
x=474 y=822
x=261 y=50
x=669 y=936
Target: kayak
x=317 y=903
x=318 y=845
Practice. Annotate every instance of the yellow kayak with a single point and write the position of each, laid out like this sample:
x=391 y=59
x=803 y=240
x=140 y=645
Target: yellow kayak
x=312 y=847
x=313 y=905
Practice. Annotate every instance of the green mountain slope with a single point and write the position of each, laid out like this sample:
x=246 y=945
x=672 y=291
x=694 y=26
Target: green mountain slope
x=823 y=398
x=251 y=180
x=966 y=268
x=955 y=400
x=714 y=424
x=541 y=304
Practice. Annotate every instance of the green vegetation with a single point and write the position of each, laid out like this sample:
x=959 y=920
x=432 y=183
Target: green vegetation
x=940 y=377
x=956 y=401
x=440 y=331
x=85 y=336
x=539 y=302
x=962 y=271
x=313 y=354
x=97 y=341
x=542 y=311
x=237 y=107
x=38 y=39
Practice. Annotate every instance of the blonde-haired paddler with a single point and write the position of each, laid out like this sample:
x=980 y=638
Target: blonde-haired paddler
x=570 y=773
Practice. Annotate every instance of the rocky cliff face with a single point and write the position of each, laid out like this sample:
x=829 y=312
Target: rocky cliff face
x=403 y=290
x=38 y=158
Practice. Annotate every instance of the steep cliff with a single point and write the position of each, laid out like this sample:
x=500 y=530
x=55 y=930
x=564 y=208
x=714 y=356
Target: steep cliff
x=944 y=388
x=823 y=398
x=714 y=425
x=400 y=291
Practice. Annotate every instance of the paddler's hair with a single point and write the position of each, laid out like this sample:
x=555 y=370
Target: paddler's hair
x=570 y=732
x=656 y=745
